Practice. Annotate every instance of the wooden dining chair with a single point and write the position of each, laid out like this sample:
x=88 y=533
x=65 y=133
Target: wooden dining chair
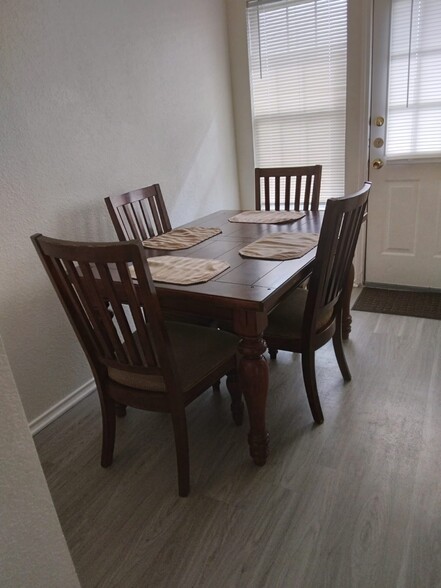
x=139 y=214
x=150 y=366
x=142 y=214
x=307 y=319
x=288 y=188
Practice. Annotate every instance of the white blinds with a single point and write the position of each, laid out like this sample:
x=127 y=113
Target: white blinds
x=297 y=55
x=414 y=105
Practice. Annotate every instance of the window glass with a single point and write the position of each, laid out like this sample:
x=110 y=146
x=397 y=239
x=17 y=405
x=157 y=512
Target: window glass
x=297 y=55
x=414 y=97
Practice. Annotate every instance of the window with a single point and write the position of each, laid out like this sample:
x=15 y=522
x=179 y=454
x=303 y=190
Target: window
x=414 y=105
x=297 y=56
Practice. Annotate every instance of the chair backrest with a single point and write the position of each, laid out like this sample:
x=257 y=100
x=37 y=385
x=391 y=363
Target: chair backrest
x=104 y=306
x=139 y=214
x=288 y=188
x=335 y=251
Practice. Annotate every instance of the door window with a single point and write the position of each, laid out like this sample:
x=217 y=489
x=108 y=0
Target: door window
x=414 y=97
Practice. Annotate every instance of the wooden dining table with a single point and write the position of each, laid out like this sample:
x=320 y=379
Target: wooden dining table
x=241 y=298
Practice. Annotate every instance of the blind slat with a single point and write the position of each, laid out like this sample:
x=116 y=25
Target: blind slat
x=297 y=55
x=414 y=103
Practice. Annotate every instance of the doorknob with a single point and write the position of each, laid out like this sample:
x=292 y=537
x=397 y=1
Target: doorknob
x=377 y=163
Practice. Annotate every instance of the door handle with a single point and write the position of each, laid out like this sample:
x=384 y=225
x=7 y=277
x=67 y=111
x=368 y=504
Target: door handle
x=377 y=163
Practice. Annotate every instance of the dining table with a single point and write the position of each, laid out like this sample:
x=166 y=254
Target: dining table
x=240 y=299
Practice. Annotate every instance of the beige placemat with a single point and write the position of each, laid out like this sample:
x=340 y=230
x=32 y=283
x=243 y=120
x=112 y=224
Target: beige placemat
x=267 y=216
x=281 y=246
x=183 y=270
x=181 y=238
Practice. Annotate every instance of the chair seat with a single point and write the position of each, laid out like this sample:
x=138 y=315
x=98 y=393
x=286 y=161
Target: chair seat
x=197 y=350
x=285 y=321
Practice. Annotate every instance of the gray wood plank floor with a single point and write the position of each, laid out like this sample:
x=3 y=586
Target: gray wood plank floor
x=355 y=502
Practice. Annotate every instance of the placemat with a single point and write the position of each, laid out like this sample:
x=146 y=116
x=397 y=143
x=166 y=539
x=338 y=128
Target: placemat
x=183 y=270
x=281 y=246
x=181 y=238
x=267 y=216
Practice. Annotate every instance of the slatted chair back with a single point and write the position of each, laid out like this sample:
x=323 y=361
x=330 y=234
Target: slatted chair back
x=335 y=251
x=307 y=319
x=288 y=188
x=120 y=327
x=139 y=214
x=137 y=359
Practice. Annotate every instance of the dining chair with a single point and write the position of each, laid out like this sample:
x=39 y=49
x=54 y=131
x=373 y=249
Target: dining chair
x=139 y=214
x=307 y=319
x=150 y=365
x=288 y=188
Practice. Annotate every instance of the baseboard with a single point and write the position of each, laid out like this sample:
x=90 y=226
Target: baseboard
x=62 y=406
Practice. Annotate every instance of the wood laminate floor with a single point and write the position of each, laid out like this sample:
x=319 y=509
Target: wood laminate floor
x=355 y=502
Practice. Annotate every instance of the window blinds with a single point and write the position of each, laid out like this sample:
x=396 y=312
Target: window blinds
x=297 y=56
x=414 y=104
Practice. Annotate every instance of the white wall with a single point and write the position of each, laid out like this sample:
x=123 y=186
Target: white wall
x=99 y=97
x=32 y=546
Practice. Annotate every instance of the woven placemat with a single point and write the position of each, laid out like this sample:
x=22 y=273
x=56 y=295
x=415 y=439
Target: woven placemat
x=402 y=302
x=183 y=238
x=267 y=216
x=281 y=246
x=183 y=270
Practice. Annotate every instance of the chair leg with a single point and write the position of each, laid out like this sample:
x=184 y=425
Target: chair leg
x=120 y=409
x=346 y=303
x=337 y=342
x=216 y=386
x=237 y=404
x=182 y=451
x=108 y=415
x=272 y=352
x=308 y=367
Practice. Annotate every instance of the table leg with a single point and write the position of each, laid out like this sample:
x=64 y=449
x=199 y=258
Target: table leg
x=253 y=380
x=346 y=303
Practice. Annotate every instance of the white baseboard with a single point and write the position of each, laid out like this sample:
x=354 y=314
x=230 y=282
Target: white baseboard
x=62 y=406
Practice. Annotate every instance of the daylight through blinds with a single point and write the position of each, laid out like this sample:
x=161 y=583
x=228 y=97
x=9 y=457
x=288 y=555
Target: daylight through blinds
x=414 y=98
x=297 y=56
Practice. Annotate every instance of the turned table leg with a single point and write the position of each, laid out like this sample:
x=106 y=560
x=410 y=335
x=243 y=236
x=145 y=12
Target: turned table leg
x=253 y=380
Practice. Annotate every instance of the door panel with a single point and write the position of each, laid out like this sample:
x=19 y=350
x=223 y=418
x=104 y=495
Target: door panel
x=404 y=226
x=402 y=202
x=404 y=221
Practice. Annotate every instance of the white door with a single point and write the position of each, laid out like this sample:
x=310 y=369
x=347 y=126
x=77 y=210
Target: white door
x=404 y=221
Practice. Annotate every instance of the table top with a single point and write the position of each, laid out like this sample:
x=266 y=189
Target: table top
x=254 y=284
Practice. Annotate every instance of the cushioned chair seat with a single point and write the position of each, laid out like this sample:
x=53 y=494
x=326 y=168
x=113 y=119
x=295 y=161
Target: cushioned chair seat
x=196 y=350
x=285 y=321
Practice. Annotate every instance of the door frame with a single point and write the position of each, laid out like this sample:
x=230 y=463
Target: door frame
x=358 y=107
